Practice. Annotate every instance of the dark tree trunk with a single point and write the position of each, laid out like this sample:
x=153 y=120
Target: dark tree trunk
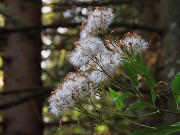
x=21 y=65
x=171 y=26
x=171 y=57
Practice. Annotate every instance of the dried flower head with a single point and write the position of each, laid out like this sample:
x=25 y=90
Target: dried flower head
x=86 y=52
x=75 y=85
x=96 y=61
x=134 y=43
x=98 y=20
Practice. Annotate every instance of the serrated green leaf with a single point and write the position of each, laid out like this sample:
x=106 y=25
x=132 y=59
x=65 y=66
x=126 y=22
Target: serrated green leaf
x=165 y=130
x=116 y=98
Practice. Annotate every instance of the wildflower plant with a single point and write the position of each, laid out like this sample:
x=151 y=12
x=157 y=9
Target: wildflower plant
x=97 y=56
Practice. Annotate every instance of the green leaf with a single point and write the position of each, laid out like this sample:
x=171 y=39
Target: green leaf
x=126 y=95
x=177 y=123
x=176 y=88
x=116 y=98
x=144 y=70
x=138 y=106
x=153 y=96
x=165 y=130
x=138 y=59
x=131 y=73
x=136 y=67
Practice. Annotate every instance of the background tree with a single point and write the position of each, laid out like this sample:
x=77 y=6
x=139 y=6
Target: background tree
x=21 y=66
x=170 y=63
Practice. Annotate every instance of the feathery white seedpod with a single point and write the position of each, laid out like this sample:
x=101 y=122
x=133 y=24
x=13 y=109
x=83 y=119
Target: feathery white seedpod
x=104 y=67
x=98 y=20
x=75 y=86
x=86 y=52
x=97 y=76
x=134 y=43
x=60 y=101
x=96 y=61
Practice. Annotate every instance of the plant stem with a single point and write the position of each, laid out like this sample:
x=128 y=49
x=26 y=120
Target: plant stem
x=137 y=123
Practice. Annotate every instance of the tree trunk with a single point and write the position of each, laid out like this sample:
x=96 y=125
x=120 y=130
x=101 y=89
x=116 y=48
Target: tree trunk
x=21 y=65
x=171 y=43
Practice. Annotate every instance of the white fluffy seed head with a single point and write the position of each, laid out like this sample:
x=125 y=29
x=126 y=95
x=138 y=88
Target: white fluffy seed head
x=60 y=101
x=97 y=76
x=75 y=86
x=134 y=43
x=86 y=51
x=104 y=67
x=91 y=56
x=94 y=60
x=98 y=20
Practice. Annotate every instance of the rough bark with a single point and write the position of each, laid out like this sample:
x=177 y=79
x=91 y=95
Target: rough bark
x=171 y=43
x=21 y=65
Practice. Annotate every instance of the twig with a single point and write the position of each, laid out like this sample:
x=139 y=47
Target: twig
x=24 y=99
x=28 y=90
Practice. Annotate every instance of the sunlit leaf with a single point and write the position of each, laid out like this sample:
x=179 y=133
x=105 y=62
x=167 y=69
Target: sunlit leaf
x=116 y=98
